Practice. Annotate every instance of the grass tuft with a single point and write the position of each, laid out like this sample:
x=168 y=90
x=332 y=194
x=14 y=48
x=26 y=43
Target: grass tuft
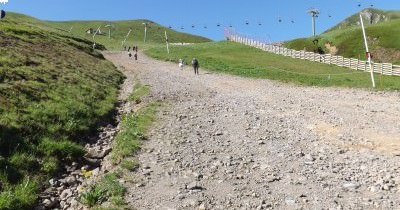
x=139 y=91
x=107 y=188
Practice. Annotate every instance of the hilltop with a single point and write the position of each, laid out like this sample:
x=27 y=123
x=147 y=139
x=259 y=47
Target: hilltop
x=370 y=15
x=346 y=38
x=116 y=29
x=119 y=30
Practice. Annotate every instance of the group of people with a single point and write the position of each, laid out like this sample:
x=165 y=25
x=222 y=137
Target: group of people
x=195 y=64
x=134 y=49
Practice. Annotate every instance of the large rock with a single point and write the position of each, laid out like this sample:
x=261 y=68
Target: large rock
x=66 y=194
x=50 y=203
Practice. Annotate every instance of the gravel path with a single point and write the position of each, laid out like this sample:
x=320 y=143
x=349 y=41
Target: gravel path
x=225 y=142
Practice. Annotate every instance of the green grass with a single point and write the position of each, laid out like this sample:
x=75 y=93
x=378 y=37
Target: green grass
x=348 y=39
x=77 y=29
x=155 y=31
x=129 y=165
x=139 y=91
x=134 y=126
x=108 y=188
x=19 y=196
x=54 y=90
x=237 y=59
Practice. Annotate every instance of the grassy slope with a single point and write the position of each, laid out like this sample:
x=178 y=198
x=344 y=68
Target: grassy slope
x=155 y=32
x=355 y=19
x=382 y=38
x=53 y=89
x=245 y=61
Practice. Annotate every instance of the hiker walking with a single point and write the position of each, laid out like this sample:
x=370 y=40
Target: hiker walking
x=195 y=64
x=135 y=56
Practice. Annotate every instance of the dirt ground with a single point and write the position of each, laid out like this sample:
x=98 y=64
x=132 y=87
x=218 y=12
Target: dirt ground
x=225 y=142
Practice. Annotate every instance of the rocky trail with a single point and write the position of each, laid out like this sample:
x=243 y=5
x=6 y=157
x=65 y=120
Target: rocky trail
x=225 y=142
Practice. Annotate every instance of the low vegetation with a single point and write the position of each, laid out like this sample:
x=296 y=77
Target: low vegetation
x=348 y=41
x=108 y=188
x=139 y=91
x=237 y=59
x=119 y=30
x=54 y=90
x=126 y=144
x=134 y=126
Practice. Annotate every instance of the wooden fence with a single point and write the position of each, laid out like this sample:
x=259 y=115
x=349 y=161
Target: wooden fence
x=356 y=64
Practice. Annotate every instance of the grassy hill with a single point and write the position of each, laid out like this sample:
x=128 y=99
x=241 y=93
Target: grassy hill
x=370 y=15
x=237 y=59
x=54 y=89
x=346 y=38
x=119 y=29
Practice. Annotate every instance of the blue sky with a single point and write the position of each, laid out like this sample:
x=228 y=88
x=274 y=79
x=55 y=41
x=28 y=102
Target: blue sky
x=295 y=22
